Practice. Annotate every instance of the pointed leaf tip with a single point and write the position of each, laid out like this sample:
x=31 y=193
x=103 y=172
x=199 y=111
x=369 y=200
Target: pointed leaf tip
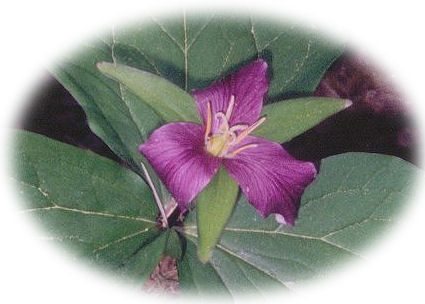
x=109 y=69
x=348 y=103
x=289 y=118
x=204 y=254
x=103 y=65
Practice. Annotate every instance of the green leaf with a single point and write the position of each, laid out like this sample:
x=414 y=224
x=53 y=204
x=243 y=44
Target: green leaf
x=299 y=58
x=198 y=278
x=214 y=207
x=174 y=244
x=169 y=101
x=290 y=118
x=103 y=211
x=137 y=268
x=353 y=199
x=116 y=116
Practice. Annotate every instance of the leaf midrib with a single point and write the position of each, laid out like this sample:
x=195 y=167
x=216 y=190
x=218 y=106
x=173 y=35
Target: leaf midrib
x=110 y=184
x=55 y=206
x=275 y=232
x=88 y=212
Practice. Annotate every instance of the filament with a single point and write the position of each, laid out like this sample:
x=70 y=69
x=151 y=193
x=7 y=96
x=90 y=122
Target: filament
x=244 y=148
x=230 y=107
x=208 y=128
x=251 y=128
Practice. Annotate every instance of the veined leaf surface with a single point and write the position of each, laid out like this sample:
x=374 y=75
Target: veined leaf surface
x=354 y=198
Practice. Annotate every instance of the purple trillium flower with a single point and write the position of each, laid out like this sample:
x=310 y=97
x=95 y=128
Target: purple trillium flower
x=186 y=155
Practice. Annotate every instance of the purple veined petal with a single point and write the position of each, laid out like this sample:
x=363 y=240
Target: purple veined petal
x=176 y=153
x=271 y=179
x=248 y=86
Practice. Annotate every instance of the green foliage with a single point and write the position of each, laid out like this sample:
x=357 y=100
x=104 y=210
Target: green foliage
x=290 y=118
x=353 y=199
x=104 y=212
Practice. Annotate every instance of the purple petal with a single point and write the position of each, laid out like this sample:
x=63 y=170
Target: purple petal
x=271 y=179
x=176 y=153
x=248 y=86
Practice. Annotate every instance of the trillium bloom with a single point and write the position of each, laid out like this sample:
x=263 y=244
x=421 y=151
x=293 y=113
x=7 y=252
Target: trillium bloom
x=186 y=155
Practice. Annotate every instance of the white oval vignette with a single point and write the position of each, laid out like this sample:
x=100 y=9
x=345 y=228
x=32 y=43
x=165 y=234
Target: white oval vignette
x=36 y=34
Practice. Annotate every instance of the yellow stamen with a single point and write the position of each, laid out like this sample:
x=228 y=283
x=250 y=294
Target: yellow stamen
x=230 y=107
x=251 y=128
x=243 y=148
x=208 y=128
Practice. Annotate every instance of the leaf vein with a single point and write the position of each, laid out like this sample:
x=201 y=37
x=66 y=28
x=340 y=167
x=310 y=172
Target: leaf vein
x=164 y=30
x=89 y=212
x=121 y=239
x=185 y=52
x=267 y=44
x=196 y=36
x=242 y=259
x=290 y=235
x=298 y=67
x=254 y=37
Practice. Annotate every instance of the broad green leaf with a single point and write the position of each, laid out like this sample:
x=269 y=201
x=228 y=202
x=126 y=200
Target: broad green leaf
x=290 y=118
x=103 y=211
x=169 y=101
x=214 y=207
x=353 y=199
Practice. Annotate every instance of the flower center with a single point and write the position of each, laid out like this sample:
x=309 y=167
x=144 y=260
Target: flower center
x=220 y=142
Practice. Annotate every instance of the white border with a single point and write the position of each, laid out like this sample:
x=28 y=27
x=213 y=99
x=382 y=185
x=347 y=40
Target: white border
x=34 y=33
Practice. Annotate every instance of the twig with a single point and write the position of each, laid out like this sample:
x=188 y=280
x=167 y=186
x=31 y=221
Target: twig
x=155 y=195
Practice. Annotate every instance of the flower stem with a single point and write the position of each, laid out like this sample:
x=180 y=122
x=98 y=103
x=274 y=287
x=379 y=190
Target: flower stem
x=155 y=195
